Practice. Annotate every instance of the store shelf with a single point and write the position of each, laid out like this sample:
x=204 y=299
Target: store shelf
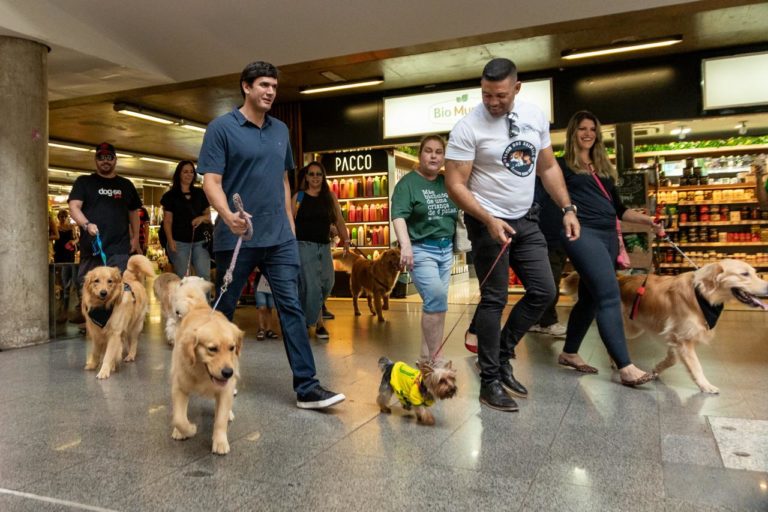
x=720 y=150
x=722 y=244
x=722 y=223
x=376 y=223
x=729 y=186
x=379 y=198
x=697 y=203
x=361 y=247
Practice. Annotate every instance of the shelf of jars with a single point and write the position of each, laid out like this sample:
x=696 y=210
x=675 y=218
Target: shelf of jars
x=716 y=186
x=718 y=150
x=696 y=203
x=720 y=244
x=757 y=266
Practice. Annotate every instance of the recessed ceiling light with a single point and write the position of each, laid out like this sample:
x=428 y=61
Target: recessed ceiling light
x=368 y=82
x=621 y=47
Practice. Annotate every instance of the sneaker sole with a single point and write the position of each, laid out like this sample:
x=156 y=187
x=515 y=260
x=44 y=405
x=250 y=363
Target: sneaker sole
x=322 y=404
x=322 y=336
x=513 y=392
x=498 y=408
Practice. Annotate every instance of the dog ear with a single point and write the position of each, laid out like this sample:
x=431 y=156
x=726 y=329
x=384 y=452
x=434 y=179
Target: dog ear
x=188 y=343
x=711 y=277
x=448 y=365
x=239 y=334
x=425 y=368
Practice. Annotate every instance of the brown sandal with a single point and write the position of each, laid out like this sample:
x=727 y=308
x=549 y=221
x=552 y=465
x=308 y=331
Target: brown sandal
x=583 y=368
x=647 y=377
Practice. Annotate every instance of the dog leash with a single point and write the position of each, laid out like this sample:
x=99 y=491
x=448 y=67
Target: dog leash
x=227 y=280
x=100 y=248
x=477 y=295
x=191 y=250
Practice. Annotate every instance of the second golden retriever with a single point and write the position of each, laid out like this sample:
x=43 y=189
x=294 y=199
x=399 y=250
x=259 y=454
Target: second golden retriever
x=114 y=307
x=176 y=296
x=684 y=309
x=205 y=362
x=377 y=278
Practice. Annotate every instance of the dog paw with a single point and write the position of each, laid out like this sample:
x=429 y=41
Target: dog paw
x=129 y=358
x=709 y=388
x=184 y=432
x=220 y=446
x=426 y=419
x=103 y=374
x=90 y=366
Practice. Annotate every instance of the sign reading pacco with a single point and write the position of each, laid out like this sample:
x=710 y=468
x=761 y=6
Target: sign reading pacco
x=355 y=162
x=437 y=112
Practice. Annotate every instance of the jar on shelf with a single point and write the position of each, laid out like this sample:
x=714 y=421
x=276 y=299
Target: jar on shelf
x=693 y=216
x=704 y=213
x=722 y=237
x=717 y=195
x=725 y=213
x=708 y=195
x=683 y=215
x=713 y=234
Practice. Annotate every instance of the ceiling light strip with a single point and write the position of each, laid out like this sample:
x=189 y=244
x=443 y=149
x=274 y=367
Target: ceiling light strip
x=621 y=48
x=148 y=114
x=368 y=82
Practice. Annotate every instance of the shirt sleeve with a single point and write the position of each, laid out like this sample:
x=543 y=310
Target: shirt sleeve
x=617 y=204
x=78 y=190
x=401 y=200
x=213 y=154
x=461 y=143
x=546 y=140
x=167 y=202
x=289 y=164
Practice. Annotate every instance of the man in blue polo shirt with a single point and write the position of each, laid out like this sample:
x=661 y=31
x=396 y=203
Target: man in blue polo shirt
x=248 y=152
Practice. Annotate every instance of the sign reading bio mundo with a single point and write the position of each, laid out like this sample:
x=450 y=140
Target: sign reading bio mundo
x=356 y=162
x=437 y=112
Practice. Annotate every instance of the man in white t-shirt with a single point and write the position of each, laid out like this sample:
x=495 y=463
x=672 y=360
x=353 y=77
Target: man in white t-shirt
x=491 y=157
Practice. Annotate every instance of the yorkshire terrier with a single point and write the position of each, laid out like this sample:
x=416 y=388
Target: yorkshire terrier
x=418 y=388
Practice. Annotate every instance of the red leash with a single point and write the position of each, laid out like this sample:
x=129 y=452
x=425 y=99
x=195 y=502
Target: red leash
x=495 y=262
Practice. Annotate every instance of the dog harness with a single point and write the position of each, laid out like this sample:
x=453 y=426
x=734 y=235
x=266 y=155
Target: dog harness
x=101 y=315
x=711 y=312
x=407 y=384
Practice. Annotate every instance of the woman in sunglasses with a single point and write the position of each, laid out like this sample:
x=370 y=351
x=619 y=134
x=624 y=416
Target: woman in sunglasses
x=315 y=210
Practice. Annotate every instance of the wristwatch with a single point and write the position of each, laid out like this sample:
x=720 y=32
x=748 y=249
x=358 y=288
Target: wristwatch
x=570 y=208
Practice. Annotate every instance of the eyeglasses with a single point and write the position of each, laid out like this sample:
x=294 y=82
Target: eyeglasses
x=314 y=174
x=108 y=158
x=514 y=130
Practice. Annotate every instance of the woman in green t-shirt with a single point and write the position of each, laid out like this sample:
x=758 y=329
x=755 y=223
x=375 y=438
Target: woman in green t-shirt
x=424 y=219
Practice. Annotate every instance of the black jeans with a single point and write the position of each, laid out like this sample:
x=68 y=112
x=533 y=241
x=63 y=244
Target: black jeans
x=594 y=257
x=527 y=256
x=557 y=257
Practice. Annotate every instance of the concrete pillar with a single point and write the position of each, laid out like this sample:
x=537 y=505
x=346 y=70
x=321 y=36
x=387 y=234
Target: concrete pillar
x=625 y=147
x=23 y=192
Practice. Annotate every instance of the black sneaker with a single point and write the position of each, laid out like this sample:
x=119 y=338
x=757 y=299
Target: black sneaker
x=319 y=398
x=509 y=383
x=322 y=333
x=327 y=315
x=493 y=396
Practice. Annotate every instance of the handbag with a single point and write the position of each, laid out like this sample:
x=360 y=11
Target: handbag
x=622 y=260
x=461 y=243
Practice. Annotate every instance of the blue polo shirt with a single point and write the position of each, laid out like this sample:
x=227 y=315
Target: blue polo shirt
x=252 y=162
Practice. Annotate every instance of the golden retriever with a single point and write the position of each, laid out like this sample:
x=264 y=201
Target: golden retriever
x=114 y=308
x=205 y=361
x=377 y=278
x=669 y=308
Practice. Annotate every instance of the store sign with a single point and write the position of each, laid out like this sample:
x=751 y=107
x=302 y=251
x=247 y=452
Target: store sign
x=356 y=162
x=437 y=112
x=738 y=81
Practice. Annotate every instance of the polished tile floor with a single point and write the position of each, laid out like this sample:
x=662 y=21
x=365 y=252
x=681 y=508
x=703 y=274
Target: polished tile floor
x=71 y=442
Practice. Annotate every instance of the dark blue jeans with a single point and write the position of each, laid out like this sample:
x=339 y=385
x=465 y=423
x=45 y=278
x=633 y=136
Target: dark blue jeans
x=594 y=257
x=527 y=256
x=280 y=265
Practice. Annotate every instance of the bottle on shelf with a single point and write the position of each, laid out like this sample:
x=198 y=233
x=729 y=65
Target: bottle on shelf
x=359 y=189
x=354 y=233
x=366 y=213
x=386 y=236
x=377 y=186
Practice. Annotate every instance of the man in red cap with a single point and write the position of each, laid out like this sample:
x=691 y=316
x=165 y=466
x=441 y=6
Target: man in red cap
x=106 y=205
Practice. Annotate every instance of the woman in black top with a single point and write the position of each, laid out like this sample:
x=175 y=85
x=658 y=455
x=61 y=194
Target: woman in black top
x=186 y=220
x=315 y=209
x=594 y=253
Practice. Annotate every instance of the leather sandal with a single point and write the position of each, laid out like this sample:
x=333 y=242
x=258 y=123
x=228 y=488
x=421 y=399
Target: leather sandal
x=583 y=368
x=471 y=348
x=646 y=377
x=260 y=335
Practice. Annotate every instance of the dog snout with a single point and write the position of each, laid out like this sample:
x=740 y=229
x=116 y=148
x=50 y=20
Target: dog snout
x=227 y=372
x=102 y=293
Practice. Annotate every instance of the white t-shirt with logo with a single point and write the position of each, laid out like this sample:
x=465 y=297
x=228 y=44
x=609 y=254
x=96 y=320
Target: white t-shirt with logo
x=504 y=169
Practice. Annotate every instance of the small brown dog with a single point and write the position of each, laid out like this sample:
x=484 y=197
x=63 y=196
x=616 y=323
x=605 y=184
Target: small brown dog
x=683 y=309
x=205 y=361
x=114 y=308
x=415 y=388
x=376 y=277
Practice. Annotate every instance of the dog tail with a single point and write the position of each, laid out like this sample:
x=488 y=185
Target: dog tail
x=139 y=265
x=346 y=261
x=384 y=361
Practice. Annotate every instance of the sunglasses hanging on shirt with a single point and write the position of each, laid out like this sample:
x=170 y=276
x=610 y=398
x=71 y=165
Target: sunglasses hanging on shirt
x=514 y=130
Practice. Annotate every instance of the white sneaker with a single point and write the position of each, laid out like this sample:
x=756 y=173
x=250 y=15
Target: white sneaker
x=557 y=330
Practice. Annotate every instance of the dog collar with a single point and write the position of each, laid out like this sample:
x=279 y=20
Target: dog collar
x=711 y=312
x=100 y=316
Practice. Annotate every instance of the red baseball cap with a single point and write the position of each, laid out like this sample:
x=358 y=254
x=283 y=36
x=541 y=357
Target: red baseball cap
x=105 y=148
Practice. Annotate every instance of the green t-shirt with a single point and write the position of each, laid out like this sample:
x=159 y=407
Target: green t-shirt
x=425 y=206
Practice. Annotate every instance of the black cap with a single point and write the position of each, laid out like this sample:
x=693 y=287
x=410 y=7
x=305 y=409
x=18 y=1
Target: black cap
x=105 y=148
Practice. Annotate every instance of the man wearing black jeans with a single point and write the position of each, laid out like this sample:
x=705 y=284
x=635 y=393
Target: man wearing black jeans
x=490 y=162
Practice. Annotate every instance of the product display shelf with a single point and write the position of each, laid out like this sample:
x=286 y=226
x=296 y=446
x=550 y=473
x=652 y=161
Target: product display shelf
x=364 y=202
x=717 y=186
x=722 y=223
x=708 y=202
x=713 y=151
x=758 y=266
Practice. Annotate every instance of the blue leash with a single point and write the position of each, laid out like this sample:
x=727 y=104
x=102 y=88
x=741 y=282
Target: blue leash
x=97 y=246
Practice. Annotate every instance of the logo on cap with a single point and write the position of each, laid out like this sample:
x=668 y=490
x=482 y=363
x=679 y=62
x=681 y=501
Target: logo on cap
x=105 y=148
